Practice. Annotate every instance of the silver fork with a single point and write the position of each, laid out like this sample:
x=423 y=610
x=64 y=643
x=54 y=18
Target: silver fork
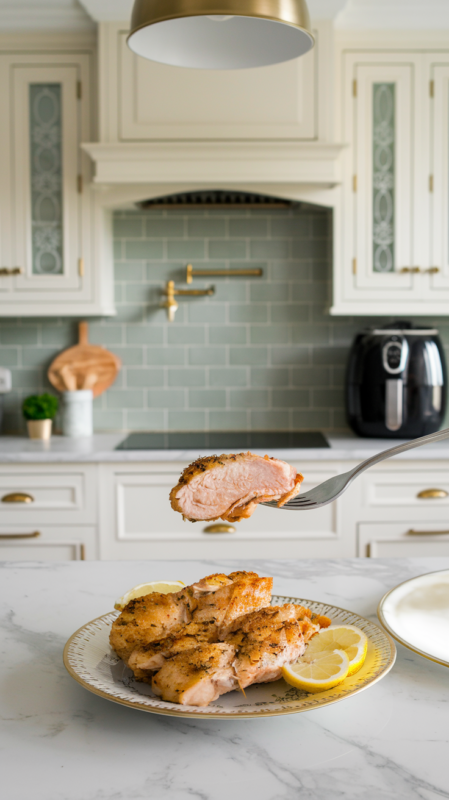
x=328 y=491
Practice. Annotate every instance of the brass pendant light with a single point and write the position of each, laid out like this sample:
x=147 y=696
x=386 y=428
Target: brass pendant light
x=220 y=34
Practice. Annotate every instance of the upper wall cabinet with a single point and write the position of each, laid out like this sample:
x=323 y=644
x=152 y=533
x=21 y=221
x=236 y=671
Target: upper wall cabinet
x=438 y=68
x=47 y=242
x=393 y=258
x=143 y=101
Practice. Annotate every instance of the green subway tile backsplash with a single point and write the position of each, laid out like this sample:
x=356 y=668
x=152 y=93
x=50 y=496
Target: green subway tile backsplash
x=260 y=353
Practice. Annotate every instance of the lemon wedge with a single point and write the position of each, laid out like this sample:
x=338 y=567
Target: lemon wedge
x=319 y=672
x=164 y=587
x=341 y=637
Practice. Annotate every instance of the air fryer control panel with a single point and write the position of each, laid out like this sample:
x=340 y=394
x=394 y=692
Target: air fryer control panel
x=394 y=355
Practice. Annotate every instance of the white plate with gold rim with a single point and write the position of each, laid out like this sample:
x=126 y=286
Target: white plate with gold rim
x=416 y=614
x=90 y=660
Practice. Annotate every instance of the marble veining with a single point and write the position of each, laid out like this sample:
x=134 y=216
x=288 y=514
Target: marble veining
x=60 y=742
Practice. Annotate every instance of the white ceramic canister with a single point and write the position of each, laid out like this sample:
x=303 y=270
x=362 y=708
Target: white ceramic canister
x=77 y=413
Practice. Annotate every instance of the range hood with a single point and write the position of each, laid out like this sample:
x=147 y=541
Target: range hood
x=126 y=175
x=276 y=168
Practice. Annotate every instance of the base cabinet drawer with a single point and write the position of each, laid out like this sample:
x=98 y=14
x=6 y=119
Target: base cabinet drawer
x=403 y=540
x=48 y=495
x=47 y=543
x=423 y=490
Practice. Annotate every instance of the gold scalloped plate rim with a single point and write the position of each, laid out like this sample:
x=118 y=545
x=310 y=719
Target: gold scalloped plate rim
x=391 y=632
x=384 y=650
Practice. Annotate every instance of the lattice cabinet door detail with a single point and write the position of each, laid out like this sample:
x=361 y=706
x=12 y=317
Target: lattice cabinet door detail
x=45 y=161
x=383 y=177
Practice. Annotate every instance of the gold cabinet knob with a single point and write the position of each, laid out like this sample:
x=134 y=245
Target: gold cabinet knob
x=412 y=532
x=219 y=528
x=432 y=494
x=18 y=497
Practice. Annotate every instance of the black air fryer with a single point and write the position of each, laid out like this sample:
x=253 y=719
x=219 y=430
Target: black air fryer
x=396 y=382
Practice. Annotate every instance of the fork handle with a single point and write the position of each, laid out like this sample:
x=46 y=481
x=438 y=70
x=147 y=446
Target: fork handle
x=401 y=448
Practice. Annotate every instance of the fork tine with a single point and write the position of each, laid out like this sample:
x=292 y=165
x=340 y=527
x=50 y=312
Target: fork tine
x=300 y=501
x=307 y=504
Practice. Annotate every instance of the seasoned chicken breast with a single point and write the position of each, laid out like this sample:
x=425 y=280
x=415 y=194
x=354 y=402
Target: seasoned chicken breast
x=198 y=676
x=260 y=660
x=155 y=616
x=245 y=592
x=148 y=658
x=149 y=618
x=231 y=486
x=217 y=598
x=310 y=623
x=268 y=639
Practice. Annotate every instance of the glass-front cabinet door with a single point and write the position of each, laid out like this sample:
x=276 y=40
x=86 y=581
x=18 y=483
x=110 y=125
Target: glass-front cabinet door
x=439 y=176
x=389 y=249
x=47 y=234
x=384 y=181
x=45 y=165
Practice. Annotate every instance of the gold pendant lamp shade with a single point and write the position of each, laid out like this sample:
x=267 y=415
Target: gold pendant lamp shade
x=220 y=34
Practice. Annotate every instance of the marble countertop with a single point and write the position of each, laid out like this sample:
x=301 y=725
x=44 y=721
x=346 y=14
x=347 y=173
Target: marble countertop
x=60 y=742
x=101 y=448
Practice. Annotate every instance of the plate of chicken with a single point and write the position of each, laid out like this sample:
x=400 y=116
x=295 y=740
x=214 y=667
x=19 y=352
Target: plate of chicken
x=215 y=648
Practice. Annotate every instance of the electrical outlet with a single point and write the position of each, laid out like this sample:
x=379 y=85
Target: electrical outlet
x=5 y=380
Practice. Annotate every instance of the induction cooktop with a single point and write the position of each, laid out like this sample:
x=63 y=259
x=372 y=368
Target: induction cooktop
x=224 y=440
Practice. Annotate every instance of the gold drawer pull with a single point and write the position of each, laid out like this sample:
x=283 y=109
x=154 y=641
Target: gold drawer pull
x=432 y=494
x=6 y=271
x=18 y=497
x=426 y=533
x=219 y=528
x=33 y=535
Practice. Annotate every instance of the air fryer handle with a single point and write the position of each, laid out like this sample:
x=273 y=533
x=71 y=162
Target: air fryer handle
x=394 y=404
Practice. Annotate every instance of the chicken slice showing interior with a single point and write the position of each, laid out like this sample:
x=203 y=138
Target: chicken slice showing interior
x=231 y=486
x=197 y=677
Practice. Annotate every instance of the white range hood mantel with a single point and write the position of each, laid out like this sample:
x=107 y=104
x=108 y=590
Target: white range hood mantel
x=217 y=164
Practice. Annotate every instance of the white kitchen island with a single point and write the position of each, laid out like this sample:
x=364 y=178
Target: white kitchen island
x=83 y=499
x=60 y=742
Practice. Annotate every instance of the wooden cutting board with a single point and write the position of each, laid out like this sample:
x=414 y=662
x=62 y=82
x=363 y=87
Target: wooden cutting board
x=85 y=366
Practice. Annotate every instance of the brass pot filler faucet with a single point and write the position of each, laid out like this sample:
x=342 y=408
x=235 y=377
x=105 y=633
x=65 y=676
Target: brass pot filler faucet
x=170 y=290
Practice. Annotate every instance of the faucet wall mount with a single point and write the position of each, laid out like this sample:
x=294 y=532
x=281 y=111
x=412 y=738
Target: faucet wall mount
x=171 y=291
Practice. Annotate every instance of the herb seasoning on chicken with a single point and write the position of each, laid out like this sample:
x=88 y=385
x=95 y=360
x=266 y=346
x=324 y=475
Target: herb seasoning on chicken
x=231 y=486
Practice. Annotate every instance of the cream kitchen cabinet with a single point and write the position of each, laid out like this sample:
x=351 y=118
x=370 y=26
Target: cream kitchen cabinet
x=393 y=258
x=402 y=540
x=120 y=510
x=48 y=512
x=399 y=511
x=136 y=521
x=144 y=101
x=47 y=543
x=47 y=237
x=438 y=67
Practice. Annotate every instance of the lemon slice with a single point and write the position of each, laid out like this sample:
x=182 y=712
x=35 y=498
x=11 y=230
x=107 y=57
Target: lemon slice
x=319 y=672
x=341 y=637
x=164 y=587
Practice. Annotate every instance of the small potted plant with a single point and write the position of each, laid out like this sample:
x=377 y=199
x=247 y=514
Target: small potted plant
x=39 y=411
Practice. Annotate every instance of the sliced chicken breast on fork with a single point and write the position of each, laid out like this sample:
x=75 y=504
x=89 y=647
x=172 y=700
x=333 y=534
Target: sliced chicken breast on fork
x=231 y=486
